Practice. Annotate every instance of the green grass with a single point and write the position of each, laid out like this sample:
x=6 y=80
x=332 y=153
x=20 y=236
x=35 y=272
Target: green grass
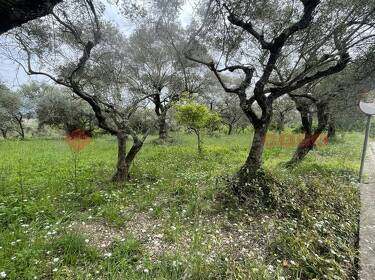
x=176 y=219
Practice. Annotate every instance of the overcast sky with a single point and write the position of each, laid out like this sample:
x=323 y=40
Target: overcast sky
x=14 y=76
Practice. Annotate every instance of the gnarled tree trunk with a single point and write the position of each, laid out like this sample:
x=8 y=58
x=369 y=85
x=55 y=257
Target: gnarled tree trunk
x=308 y=143
x=125 y=160
x=250 y=179
x=254 y=159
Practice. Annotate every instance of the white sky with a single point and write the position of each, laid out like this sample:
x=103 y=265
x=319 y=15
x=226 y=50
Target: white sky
x=14 y=76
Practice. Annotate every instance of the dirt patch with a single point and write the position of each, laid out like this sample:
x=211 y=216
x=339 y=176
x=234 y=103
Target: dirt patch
x=101 y=235
x=235 y=240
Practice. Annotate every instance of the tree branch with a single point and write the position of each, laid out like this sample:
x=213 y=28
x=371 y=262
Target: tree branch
x=248 y=26
x=339 y=66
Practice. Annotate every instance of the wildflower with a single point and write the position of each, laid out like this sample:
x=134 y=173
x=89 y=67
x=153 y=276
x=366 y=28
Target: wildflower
x=145 y=270
x=3 y=275
x=55 y=259
x=87 y=241
x=54 y=270
x=107 y=255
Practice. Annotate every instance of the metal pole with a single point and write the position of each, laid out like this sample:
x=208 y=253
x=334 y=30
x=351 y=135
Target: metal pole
x=365 y=147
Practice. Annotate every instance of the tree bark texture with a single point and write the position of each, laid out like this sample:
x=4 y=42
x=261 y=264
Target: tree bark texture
x=125 y=159
x=14 y=13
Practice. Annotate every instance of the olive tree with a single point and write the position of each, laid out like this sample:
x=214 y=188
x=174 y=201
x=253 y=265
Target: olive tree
x=330 y=99
x=153 y=73
x=276 y=47
x=282 y=112
x=230 y=112
x=76 y=49
x=6 y=121
x=158 y=70
x=12 y=112
x=64 y=111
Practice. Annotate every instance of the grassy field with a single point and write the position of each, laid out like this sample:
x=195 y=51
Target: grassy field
x=176 y=219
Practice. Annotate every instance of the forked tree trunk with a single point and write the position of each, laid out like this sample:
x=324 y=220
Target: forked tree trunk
x=125 y=160
x=134 y=150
